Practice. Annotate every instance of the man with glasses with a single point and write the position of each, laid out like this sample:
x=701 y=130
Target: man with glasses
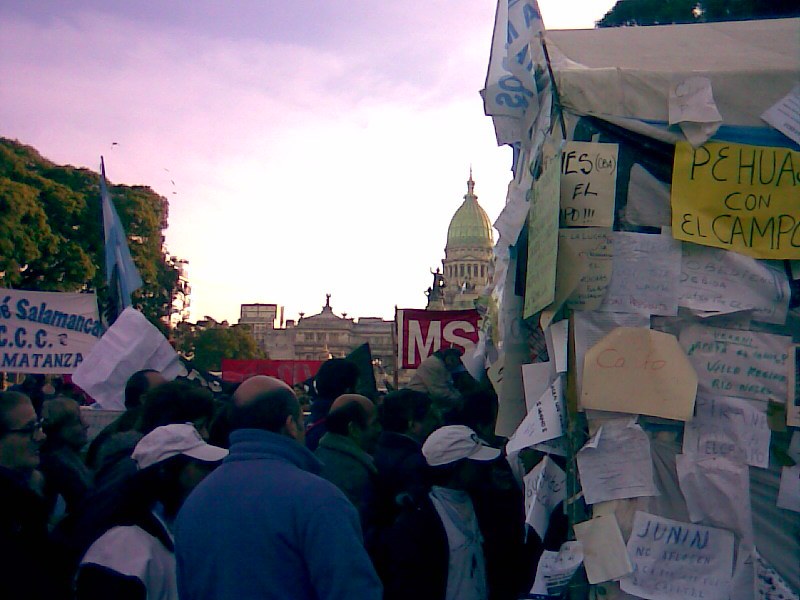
x=24 y=547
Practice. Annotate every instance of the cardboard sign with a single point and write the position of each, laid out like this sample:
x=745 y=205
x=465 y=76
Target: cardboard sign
x=639 y=371
x=738 y=197
x=46 y=332
x=588 y=184
x=420 y=333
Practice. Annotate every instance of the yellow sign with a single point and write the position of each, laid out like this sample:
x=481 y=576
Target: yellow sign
x=737 y=197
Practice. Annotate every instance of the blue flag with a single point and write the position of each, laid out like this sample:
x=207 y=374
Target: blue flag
x=119 y=264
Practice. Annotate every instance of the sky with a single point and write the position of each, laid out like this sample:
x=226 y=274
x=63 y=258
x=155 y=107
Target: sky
x=305 y=147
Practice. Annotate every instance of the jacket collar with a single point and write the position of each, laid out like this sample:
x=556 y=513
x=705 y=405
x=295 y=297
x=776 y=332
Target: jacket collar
x=254 y=444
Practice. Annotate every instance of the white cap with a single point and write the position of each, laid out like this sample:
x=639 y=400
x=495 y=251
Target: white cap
x=170 y=440
x=453 y=442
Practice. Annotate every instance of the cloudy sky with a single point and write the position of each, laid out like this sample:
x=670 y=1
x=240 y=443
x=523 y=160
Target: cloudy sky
x=306 y=147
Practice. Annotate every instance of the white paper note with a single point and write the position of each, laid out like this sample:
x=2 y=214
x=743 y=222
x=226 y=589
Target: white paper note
x=717 y=493
x=536 y=378
x=789 y=493
x=645 y=275
x=785 y=114
x=737 y=363
x=555 y=570
x=545 y=421
x=676 y=561
x=604 y=554
x=729 y=427
x=545 y=487
x=556 y=336
x=616 y=463
x=692 y=106
x=718 y=281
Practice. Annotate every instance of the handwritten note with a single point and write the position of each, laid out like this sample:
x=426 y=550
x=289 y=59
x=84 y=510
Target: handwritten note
x=604 y=553
x=785 y=114
x=616 y=463
x=729 y=427
x=717 y=281
x=737 y=363
x=594 y=249
x=769 y=585
x=556 y=569
x=543 y=235
x=588 y=184
x=737 y=197
x=639 y=371
x=645 y=275
x=545 y=487
x=789 y=492
x=674 y=560
x=545 y=421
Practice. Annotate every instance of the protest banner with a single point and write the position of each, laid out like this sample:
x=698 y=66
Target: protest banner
x=674 y=560
x=420 y=333
x=543 y=235
x=745 y=364
x=588 y=184
x=737 y=197
x=46 y=332
x=289 y=371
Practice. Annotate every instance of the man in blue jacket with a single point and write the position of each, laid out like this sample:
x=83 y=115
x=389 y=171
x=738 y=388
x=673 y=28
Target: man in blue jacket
x=265 y=525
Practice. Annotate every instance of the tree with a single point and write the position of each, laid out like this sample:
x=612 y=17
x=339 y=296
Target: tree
x=663 y=12
x=51 y=233
x=211 y=345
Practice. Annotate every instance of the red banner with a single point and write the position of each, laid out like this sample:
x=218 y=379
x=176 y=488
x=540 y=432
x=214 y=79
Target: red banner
x=290 y=371
x=420 y=333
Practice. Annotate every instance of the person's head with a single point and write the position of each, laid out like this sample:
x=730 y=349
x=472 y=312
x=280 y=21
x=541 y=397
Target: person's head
x=356 y=417
x=177 y=402
x=335 y=377
x=140 y=383
x=276 y=410
x=456 y=454
x=258 y=384
x=478 y=411
x=409 y=412
x=63 y=424
x=21 y=433
x=175 y=459
x=451 y=357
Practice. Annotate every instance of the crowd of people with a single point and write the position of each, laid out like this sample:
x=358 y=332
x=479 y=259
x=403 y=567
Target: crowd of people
x=186 y=495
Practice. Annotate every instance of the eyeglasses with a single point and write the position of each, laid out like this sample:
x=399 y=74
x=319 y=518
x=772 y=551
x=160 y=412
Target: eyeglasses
x=30 y=429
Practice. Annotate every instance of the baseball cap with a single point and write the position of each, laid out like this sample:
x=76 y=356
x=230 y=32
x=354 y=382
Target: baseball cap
x=453 y=442
x=170 y=440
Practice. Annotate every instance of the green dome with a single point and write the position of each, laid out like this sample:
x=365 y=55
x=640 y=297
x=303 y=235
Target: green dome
x=470 y=226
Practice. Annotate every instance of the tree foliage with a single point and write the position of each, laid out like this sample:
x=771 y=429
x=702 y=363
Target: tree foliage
x=210 y=346
x=664 y=12
x=51 y=231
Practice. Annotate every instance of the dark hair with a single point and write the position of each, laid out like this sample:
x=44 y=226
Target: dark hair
x=8 y=402
x=402 y=407
x=335 y=377
x=338 y=421
x=136 y=386
x=175 y=402
x=477 y=409
x=267 y=411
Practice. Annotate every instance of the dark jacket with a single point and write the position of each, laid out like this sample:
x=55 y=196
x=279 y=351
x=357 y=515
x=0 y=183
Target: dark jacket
x=65 y=475
x=26 y=566
x=349 y=468
x=401 y=470
x=316 y=426
x=417 y=554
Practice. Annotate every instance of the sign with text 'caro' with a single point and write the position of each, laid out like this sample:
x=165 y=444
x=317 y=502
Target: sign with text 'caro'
x=420 y=333
x=46 y=332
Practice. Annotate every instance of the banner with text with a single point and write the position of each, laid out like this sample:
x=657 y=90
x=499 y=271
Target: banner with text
x=46 y=332
x=421 y=332
x=737 y=197
x=289 y=371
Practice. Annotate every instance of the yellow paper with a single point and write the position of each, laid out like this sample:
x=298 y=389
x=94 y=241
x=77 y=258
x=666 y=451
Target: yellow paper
x=639 y=371
x=738 y=197
x=605 y=556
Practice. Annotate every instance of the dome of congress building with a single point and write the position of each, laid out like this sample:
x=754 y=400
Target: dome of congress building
x=470 y=226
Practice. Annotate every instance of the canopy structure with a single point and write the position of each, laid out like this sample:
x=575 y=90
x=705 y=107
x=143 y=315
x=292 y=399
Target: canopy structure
x=626 y=71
